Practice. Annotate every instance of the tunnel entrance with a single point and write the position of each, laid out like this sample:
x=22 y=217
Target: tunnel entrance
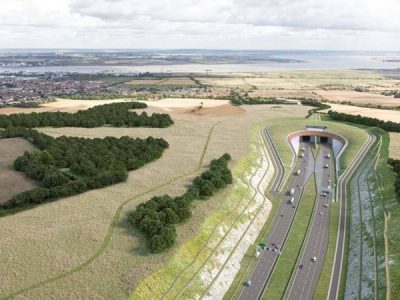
x=323 y=139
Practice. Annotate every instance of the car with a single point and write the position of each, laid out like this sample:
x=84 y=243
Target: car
x=301 y=267
x=323 y=194
x=248 y=283
x=321 y=213
x=314 y=259
x=326 y=166
x=325 y=205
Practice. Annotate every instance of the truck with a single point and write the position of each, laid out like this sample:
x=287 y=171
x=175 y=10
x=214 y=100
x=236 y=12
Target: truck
x=291 y=192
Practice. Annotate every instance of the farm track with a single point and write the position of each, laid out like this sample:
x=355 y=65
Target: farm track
x=114 y=222
x=214 y=250
x=343 y=183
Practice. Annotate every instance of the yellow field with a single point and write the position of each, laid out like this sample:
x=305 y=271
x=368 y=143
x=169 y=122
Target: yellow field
x=11 y=181
x=357 y=97
x=394 y=147
x=386 y=115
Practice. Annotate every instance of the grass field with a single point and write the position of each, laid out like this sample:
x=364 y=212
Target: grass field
x=287 y=260
x=11 y=181
x=73 y=249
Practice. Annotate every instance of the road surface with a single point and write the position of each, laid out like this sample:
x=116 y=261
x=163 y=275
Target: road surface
x=306 y=275
x=280 y=229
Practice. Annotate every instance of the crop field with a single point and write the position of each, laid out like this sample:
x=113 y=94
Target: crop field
x=11 y=181
x=333 y=86
x=357 y=98
x=394 y=146
x=382 y=114
x=73 y=249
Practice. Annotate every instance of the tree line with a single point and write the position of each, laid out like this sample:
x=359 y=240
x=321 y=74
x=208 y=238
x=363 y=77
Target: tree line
x=395 y=163
x=358 y=119
x=68 y=166
x=115 y=114
x=156 y=217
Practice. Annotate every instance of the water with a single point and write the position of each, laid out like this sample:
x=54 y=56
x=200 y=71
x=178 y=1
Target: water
x=307 y=60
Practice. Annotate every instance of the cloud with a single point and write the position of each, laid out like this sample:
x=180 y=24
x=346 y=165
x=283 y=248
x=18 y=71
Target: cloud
x=340 y=24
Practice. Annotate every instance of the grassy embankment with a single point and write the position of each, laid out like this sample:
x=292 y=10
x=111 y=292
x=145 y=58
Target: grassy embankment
x=194 y=254
x=286 y=263
x=279 y=132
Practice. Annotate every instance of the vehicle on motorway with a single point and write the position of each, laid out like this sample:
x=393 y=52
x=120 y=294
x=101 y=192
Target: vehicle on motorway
x=314 y=259
x=291 y=192
x=298 y=172
x=302 y=155
x=248 y=283
x=326 y=166
x=328 y=156
x=291 y=201
x=303 y=149
x=323 y=194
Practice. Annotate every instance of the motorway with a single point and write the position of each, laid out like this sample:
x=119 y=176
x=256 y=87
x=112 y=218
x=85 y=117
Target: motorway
x=280 y=229
x=305 y=277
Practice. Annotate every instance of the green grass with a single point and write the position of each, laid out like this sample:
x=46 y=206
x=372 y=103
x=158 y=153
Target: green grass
x=385 y=177
x=280 y=131
x=287 y=260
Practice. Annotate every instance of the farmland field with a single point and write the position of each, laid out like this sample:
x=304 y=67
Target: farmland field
x=11 y=181
x=382 y=114
x=394 y=146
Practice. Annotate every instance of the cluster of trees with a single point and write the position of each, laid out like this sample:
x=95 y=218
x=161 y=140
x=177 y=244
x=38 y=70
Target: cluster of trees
x=238 y=99
x=314 y=103
x=358 y=119
x=156 y=217
x=395 y=163
x=67 y=166
x=115 y=114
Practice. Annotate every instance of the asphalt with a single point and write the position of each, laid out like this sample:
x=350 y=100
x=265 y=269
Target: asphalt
x=280 y=229
x=306 y=275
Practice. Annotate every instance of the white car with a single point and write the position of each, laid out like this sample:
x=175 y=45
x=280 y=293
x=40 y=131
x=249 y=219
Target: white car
x=248 y=283
x=314 y=259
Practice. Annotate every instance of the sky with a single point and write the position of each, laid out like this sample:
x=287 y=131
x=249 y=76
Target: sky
x=202 y=24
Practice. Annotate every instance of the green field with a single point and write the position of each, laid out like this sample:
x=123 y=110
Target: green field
x=287 y=260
